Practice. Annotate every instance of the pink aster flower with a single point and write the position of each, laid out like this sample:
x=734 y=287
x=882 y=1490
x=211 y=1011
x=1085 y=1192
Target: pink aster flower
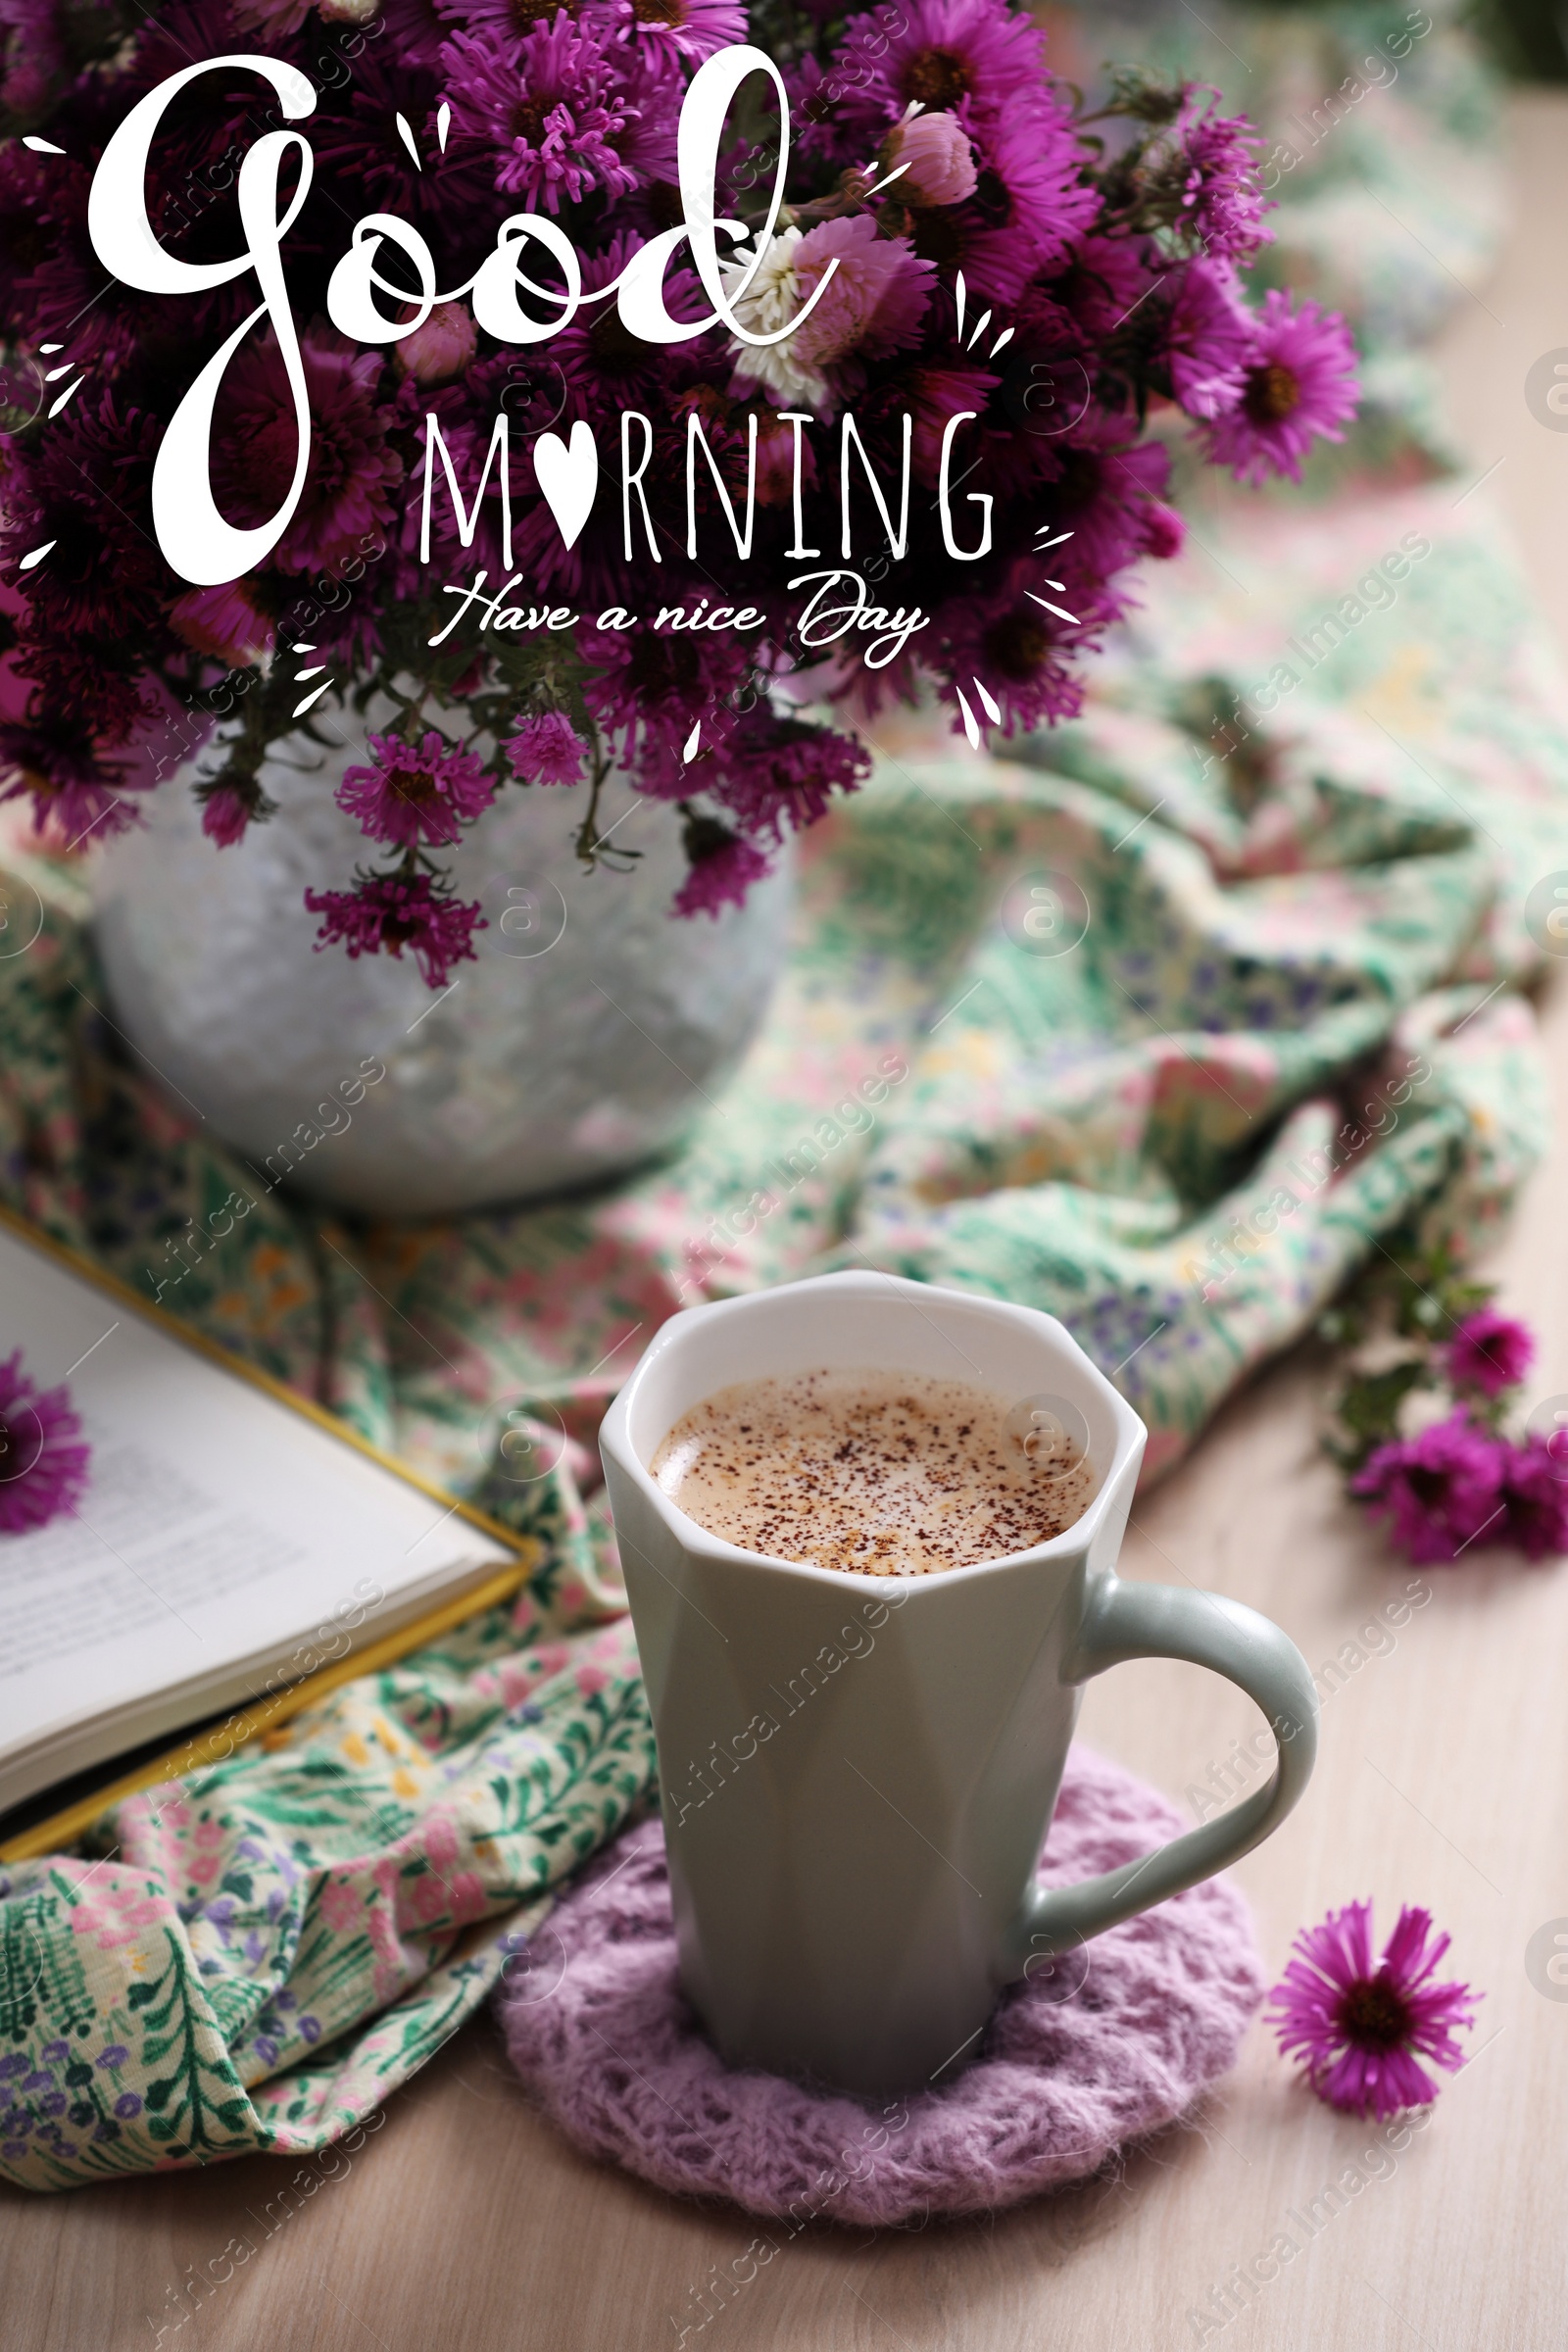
x=873 y=304
x=1440 y=1491
x=1300 y=384
x=1489 y=1351
x=416 y=794
x=545 y=107
x=43 y=1462
x=388 y=912
x=723 y=868
x=547 y=750
x=1360 y=2030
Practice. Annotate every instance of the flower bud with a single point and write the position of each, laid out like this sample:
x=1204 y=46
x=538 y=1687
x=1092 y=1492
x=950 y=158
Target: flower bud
x=941 y=164
x=441 y=348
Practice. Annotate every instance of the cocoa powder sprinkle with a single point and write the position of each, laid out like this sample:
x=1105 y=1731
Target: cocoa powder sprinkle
x=870 y=1472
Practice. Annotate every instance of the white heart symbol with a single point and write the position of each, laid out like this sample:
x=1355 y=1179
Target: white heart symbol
x=569 y=478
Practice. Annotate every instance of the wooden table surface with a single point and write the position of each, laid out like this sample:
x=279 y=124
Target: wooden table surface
x=1444 y=1779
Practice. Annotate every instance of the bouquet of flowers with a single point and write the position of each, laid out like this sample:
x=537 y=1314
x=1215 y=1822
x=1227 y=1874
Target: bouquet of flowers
x=1001 y=298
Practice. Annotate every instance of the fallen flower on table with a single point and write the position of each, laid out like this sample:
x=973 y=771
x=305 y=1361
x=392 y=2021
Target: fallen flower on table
x=1446 y=1484
x=1360 y=2029
x=43 y=1463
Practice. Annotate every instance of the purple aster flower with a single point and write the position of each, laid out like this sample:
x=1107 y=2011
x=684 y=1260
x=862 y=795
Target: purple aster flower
x=1208 y=341
x=1535 y=1496
x=680 y=29
x=1031 y=203
x=226 y=814
x=352 y=471
x=1299 y=385
x=1222 y=198
x=723 y=868
x=43 y=1463
x=1359 y=2030
x=51 y=757
x=547 y=750
x=126 y=2105
x=1440 y=1489
x=1489 y=1351
x=416 y=792
x=779 y=774
x=34 y=62
x=939 y=53
x=115 y=2055
x=388 y=912
x=546 y=107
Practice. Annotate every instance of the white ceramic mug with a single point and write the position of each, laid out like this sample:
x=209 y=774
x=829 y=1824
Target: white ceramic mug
x=857 y=1771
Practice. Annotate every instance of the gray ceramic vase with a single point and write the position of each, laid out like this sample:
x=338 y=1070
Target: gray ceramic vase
x=591 y=1032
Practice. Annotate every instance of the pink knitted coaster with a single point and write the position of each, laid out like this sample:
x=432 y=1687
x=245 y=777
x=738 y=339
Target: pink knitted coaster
x=1121 y=2041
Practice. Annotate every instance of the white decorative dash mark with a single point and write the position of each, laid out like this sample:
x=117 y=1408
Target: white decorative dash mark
x=972 y=725
x=41 y=146
x=1058 y=611
x=37 y=556
x=959 y=295
x=313 y=696
x=315 y=671
x=693 y=743
x=301 y=648
x=443 y=124
x=407 y=136
x=981 y=324
x=62 y=398
x=64 y=368
x=1042 y=542
x=1001 y=341
x=988 y=702
x=876 y=189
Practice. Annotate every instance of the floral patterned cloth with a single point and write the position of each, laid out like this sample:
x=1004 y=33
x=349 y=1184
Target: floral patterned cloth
x=1077 y=1029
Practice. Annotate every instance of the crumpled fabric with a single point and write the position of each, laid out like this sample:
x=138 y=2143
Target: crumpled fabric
x=1280 y=1022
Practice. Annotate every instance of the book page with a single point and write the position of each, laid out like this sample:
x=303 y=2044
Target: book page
x=217 y=1529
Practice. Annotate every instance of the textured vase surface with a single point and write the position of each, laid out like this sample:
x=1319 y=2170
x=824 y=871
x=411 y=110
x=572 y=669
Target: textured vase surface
x=592 y=1030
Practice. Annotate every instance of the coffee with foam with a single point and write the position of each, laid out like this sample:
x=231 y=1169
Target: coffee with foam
x=872 y=1472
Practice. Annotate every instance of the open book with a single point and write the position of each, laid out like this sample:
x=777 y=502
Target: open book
x=230 y=1542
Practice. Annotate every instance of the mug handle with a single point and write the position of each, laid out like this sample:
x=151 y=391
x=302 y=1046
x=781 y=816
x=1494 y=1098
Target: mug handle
x=1164 y=1621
